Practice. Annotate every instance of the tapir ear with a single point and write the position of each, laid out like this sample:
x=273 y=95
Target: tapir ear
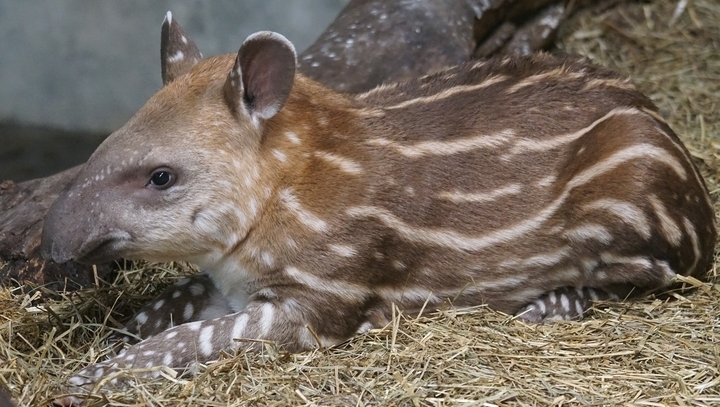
x=262 y=77
x=178 y=53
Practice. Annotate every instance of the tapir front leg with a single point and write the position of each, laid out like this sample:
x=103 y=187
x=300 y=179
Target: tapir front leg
x=195 y=298
x=294 y=319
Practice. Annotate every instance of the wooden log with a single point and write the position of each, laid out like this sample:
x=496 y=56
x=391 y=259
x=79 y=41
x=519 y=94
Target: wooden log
x=369 y=43
x=372 y=42
x=22 y=209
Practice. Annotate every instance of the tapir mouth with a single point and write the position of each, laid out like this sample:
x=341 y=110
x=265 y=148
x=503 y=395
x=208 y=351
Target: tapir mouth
x=108 y=247
x=96 y=249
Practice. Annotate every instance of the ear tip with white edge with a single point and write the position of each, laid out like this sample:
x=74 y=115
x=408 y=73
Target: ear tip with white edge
x=274 y=36
x=168 y=17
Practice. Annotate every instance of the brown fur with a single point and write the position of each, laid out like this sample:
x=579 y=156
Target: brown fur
x=510 y=183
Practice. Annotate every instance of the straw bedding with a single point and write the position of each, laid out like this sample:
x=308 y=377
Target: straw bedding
x=662 y=350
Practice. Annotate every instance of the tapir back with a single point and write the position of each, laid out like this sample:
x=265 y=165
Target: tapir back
x=495 y=182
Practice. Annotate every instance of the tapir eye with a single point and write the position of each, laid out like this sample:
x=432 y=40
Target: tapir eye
x=161 y=179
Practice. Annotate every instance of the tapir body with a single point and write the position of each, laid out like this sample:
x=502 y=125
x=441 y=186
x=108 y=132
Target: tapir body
x=531 y=184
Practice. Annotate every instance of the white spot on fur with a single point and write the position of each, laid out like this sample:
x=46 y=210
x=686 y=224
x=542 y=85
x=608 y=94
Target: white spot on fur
x=541 y=304
x=525 y=145
x=364 y=327
x=248 y=180
x=304 y=216
x=197 y=289
x=267 y=258
x=343 y=250
x=593 y=294
x=338 y=287
x=177 y=57
x=546 y=181
x=253 y=205
x=555 y=74
x=630 y=214
x=279 y=155
x=578 y=308
x=346 y=165
x=610 y=258
x=586 y=232
x=292 y=137
x=460 y=145
x=690 y=229
x=546 y=259
x=77 y=380
x=158 y=305
x=205 y=340
x=207 y=221
x=194 y=326
x=141 y=318
x=446 y=93
x=168 y=359
x=267 y=318
x=477 y=197
x=668 y=226
x=189 y=311
x=238 y=330
x=565 y=302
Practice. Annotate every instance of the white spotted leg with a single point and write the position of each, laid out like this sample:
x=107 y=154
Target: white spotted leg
x=564 y=303
x=294 y=318
x=192 y=299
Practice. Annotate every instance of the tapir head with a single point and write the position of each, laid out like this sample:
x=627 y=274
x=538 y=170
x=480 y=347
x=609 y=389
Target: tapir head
x=181 y=178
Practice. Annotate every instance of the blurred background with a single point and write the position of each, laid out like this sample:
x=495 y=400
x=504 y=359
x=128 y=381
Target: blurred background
x=72 y=71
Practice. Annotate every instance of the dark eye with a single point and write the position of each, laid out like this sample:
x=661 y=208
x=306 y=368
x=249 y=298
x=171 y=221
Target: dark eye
x=161 y=179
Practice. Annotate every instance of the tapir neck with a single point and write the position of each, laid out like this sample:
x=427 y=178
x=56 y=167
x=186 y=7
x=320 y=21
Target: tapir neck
x=314 y=164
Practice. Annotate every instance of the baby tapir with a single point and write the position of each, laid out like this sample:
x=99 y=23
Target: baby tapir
x=531 y=184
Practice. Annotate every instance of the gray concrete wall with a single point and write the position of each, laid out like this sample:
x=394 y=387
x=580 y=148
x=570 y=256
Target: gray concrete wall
x=90 y=64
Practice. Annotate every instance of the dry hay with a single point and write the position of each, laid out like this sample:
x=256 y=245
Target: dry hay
x=657 y=351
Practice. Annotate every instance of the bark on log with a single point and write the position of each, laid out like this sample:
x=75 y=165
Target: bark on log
x=370 y=42
x=22 y=209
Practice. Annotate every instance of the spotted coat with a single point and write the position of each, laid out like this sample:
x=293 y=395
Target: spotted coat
x=531 y=184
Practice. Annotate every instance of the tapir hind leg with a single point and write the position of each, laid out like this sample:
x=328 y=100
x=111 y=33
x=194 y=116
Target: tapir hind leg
x=564 y=303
